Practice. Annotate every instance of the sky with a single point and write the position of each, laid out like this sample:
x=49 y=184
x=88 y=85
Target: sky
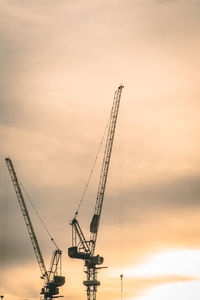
x=60 y=63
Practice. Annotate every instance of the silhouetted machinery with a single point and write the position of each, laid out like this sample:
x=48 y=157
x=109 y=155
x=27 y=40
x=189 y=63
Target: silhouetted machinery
x=82 y=248
x=52 y=278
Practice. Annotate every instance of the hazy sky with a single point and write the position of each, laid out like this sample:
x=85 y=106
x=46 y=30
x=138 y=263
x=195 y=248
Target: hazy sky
x=60 y=63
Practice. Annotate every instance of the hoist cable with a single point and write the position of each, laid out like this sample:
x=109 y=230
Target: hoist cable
x=92 y=169
x=42 y=222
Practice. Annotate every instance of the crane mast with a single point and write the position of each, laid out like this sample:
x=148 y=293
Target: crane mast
x=51 y=278
x=82 y=248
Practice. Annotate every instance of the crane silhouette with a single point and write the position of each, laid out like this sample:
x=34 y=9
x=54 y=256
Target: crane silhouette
x=82 y=248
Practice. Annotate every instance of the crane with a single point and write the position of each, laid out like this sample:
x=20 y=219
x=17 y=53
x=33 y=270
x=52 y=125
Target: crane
x=52 y=278
x=82 y=248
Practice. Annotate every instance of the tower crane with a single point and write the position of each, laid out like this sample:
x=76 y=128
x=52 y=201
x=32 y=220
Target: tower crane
x=52 y=278
x=82 y=248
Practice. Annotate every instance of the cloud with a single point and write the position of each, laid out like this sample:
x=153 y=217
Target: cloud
x=138 y=286
x=165 y=198
x=135 y=287
x=181 y=192
x=149 y=282
x=60 y=64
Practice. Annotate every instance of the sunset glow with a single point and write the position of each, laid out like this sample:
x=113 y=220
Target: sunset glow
x=173 y=262
x=183 y=290
x=61 y=62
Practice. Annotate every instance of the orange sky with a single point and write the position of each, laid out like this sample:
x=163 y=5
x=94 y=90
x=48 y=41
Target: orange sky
x=61 y=62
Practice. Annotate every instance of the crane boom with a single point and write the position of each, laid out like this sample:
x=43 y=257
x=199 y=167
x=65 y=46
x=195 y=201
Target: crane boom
x=94 y=226
x=27 y=219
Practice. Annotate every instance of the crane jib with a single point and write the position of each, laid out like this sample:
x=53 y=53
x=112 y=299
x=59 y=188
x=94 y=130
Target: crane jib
x=104 y=170
x=27 y=219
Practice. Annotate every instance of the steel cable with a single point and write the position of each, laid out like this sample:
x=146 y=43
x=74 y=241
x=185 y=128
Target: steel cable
x=91 y=172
